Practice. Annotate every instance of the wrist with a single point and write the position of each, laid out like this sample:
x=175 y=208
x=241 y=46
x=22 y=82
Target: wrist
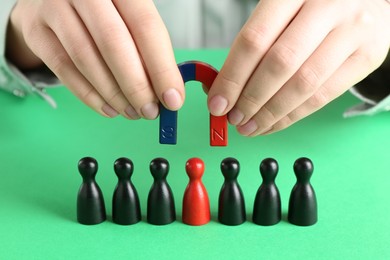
x=16 y=48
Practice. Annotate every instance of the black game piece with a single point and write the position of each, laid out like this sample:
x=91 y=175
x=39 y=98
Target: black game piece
x=302 y=210
x=125 y=202
x=90 y=201
x=267 y=208
x=161 y=204
x=231 y=204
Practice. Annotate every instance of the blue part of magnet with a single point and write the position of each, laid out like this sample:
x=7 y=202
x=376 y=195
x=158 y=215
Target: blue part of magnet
x=168 y=126
x=187 y=70
x=168 y=118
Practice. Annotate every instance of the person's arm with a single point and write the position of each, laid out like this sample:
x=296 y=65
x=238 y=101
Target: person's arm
x=12 y=79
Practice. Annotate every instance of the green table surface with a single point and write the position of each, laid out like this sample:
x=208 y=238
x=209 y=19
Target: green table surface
x=40 y=148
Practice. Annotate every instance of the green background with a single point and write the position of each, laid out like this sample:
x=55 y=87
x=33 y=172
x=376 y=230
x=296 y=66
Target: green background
x=40 y=148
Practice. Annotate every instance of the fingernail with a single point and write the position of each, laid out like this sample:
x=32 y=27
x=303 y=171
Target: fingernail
x=248 y=128
x=173 y=99
x=235 y=116
x=130 y=111
x=109 y=111
x=150 y=111
x=217 y=105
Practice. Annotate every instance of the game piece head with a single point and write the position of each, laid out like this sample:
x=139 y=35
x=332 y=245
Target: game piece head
x=159 y=168
x=230 y=168
x=269 y=169
x=123 y=168
x=303 y=169
x=195 y=168
x=88 y=167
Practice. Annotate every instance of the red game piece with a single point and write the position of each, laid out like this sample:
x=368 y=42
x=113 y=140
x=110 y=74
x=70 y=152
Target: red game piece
x=196 y=205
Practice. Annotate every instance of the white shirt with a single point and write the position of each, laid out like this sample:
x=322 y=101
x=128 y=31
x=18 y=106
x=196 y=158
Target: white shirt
x=204 y=23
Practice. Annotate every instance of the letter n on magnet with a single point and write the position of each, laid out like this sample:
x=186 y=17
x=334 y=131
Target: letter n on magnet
x=218 y=130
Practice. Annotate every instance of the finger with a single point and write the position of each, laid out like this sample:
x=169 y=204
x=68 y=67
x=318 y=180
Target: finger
x=119 y=52
x=154 y=45
x=80 y=47
x=205 y=89
x=255 y=38
x=297 y=43
x=356 y=69
x=56 y=58
x=328 y=57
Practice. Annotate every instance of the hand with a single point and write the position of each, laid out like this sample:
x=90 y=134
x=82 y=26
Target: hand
x=293 y=57
x=116 y=56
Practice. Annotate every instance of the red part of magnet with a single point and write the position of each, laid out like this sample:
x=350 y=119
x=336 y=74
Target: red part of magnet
x=218 y=124
x=205 y=73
